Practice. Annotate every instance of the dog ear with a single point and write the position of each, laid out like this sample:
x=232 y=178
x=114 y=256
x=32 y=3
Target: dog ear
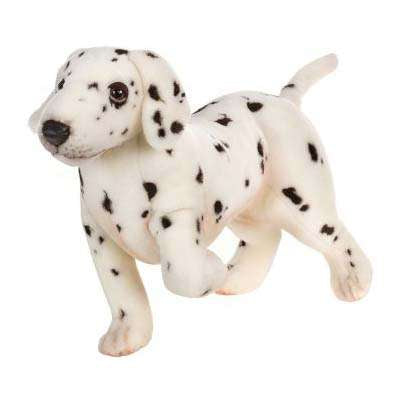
x=165 y=110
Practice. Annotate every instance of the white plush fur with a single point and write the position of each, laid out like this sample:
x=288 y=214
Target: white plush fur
x=159 y=184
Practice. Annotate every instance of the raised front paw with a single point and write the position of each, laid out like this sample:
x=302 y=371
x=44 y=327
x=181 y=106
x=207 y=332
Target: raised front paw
x=124 y=338
x=190 y=278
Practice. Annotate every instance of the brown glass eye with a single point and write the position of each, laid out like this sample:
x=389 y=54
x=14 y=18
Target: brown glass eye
x=118 y=93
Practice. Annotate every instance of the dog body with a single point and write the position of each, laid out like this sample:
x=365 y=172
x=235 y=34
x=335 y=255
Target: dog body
x=159 y=184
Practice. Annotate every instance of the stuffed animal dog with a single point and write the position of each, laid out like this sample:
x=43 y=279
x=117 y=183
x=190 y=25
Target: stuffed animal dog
x=159 y=184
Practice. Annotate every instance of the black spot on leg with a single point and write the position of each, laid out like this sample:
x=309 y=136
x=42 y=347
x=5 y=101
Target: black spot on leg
x=118 y=226
x=304 y=207
x=114 y=271
x=114 y=59
x=219 y=147
x=254 y=106
x=262 y=166
x=352 y=264
x=335 y=238
x=122 y=314
x=107 y=203
x=229 y=266
x=93 y=85
x=104 y=109
x=348 y=251
x=260 y=149
x=205 y=106
x=121 y=51
x=101 y=239
x=157 y=118
x=313 y=152
x=247 y=182
x=242 y=243
x=153 y=92
x=124 y=132
x=150 y=188
x=145 y=213
x=290 y=192
x=200 y=176
x=208 y=291
x=328 y=230
x=151 y=54
x=177 y=88
x=169 y=152
x=67 y=65
x=61 y=84
x=161 y=133
x=198 y=225
x=165 y=222
x=289 y=86
x=88 y=230
x=218 y=207
x=176 y=127
x=81 y=180
x=81 y=54
x=168 y=266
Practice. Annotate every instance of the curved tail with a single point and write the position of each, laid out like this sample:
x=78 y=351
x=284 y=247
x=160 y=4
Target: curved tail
x=307 y=76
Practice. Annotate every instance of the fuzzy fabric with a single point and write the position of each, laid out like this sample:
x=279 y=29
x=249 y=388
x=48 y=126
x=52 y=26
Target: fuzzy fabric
x=159 y=184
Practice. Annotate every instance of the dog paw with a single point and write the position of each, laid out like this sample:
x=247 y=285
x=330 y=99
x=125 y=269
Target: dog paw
x=351 y=287
x=123 y=338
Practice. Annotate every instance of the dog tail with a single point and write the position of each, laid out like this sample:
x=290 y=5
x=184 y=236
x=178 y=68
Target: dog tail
x=307 y=76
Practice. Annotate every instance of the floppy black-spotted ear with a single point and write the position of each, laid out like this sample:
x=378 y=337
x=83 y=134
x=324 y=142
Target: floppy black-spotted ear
x=165 y=110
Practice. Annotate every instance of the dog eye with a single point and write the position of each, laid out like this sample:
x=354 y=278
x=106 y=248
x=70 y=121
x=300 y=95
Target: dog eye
x=118 y=93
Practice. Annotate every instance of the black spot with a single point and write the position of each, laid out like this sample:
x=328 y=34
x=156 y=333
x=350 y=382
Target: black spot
x=202 y=108
x=101 y=239
x=229 y=266
x=206 y=292
x=145 y=213
x=67 y=65
x=198 y=225
x=313 y=152
x=197 y=242
x=161 y=132
x=335 y=238
x=81 y=180
x=124 y=132
x=121 y=51
x=122 y=313
x=224 y=120
x=61 y=84
x=81 y=54
x=242 y=243
x=219 y=147
x=327 y=229
x=260 y=149
x=114 y=59
x=153 y=92
x=132 y=83
x=169 y=152
x=290 y=192
x=111 y=133
x=168 y=266
x=118 y=226
x=93 y=85
x=200 y=176
x=217 y=207
x=226 y=145
x=247 y=182
x=262 y=166
x=304 y=207
x=289 y=86
x=150 y=188
x=348 y=251
x=150 y=54
x=165 y=222
x=157 y=118
x=254 y=106
x=107 y=203
x=88 y=230
x=177 y=88
x=114 y=271
x=352 y=264
x=104 y=109
x=176 y=127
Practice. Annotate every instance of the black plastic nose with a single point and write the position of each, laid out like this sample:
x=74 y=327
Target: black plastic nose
x=56 y=133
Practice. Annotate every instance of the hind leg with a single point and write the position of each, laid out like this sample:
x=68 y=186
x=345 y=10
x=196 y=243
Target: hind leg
x=253 y=257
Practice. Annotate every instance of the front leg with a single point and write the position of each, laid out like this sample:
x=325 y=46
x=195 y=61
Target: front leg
x=131 y=326
x=188 y=268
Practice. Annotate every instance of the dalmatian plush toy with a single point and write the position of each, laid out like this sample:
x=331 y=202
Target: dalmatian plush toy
x=158 y=183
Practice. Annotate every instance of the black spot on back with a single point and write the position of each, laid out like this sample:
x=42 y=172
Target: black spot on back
x=202 y=108
x=81 y=54
x=93 y=85
x=145 y=213
x=176 y=127
x=118 y=226
x=101 y=239
x=219 y=148
x=122 y=313
x=247 y=182
x=114 y=59
x=151 y=54
x=177 y=88
x=150 y=188
x=260 y=149
x=61 y=84
x=254 y=106
x=169 y=152
x=153 y=92
x=121 y=51
x=114 y=271
x=242 y=243
x=107 y=203
x=161 y=132
x=289 y=86
x=224 y=120
x=290 y=192
x=313 y=152
x=157 y=117
x=304 y=207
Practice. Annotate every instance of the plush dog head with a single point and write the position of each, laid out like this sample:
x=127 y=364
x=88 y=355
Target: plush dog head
x=106 y=96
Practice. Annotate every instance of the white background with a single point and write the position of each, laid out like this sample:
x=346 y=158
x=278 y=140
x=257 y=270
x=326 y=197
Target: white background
x=291 y=339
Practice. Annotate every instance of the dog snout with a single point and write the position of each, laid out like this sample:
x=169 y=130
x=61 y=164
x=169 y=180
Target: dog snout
x=55 y=132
